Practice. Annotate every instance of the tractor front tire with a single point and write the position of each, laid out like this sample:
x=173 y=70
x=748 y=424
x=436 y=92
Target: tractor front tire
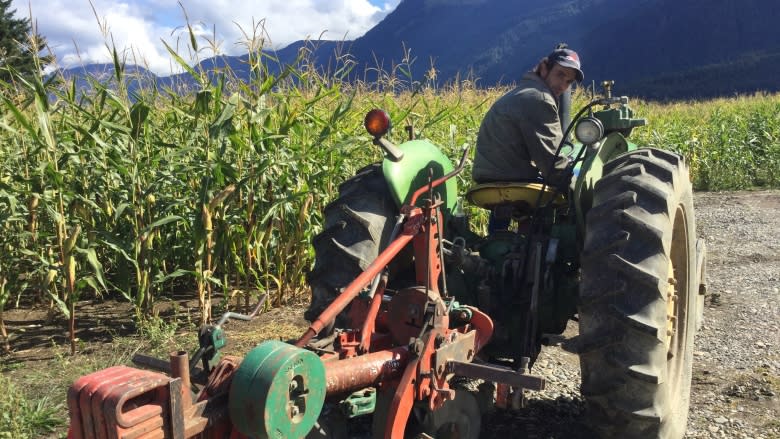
x=357 y=226
x=638 y=297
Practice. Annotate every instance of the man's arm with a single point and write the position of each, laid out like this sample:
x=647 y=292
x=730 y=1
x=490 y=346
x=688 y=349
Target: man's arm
x=542 y=134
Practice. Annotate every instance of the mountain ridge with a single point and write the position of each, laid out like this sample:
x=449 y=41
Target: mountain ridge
x=659 y=49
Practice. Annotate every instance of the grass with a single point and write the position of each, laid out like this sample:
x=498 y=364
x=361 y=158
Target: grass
x=24 y=413
x=32 y=404
x=24 y=416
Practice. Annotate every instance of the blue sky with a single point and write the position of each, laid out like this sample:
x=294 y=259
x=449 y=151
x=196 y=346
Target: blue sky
x=77 y=34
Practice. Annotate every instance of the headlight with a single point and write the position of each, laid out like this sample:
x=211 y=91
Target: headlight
x=589 y=130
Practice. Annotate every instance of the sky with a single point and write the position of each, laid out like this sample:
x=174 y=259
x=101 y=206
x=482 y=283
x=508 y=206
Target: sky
x=79 y=31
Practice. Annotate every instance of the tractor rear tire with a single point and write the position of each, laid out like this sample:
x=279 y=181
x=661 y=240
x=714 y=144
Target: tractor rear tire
x=357 y=226
x=638 y=297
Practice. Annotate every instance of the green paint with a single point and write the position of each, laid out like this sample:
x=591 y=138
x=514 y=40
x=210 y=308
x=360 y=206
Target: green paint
x=218 y=341
x=278 y=391
x=362 y=402
x=412 y=172
x=591 y=171
x=619 y=119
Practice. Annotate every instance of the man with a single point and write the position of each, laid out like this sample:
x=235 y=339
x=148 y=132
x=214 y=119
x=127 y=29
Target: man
x=521 y=132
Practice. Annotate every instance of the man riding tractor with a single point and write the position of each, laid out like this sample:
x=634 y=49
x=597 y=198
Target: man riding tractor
x=520 y=133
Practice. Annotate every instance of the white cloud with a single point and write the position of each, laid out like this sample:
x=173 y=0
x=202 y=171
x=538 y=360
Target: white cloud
x=137 y=26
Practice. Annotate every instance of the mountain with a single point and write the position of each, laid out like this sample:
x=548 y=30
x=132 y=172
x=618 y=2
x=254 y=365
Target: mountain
x=86 y=75
x=651 y=48
x=657 y=49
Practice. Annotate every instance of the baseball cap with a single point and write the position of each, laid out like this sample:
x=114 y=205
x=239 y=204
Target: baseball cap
x=567 y=58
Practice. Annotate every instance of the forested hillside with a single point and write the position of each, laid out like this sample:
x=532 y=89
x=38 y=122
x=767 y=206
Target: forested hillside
x=659 y=49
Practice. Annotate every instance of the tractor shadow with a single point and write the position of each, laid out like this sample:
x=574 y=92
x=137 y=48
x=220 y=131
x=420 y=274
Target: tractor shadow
x=559 y=418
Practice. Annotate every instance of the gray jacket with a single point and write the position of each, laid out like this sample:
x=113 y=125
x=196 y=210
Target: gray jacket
x=519 y=134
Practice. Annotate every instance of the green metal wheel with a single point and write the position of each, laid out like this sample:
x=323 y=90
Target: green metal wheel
x=277 y=392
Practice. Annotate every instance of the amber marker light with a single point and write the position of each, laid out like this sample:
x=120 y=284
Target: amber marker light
x=377 y=122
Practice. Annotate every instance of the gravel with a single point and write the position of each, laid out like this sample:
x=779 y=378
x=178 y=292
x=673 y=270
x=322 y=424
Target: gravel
x=736 y=374
x=735 y=390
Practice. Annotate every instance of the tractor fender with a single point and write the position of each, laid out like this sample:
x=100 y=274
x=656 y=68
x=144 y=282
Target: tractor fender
x=421 y=162
x=592 y=169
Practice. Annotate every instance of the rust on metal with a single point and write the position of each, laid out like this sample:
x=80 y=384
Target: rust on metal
x=151 y=390
x=403 y=400
x=354 y=288
x=407 y=313
x=119 y=402
x=96 y=381
x=459 y=347
x=180 y=368
x=369 y=324
x=176 y=409
x=364 y=370
x=483 y=324
x=426 y=256
x=198 y=375
x=78 y=428
x=220 y=378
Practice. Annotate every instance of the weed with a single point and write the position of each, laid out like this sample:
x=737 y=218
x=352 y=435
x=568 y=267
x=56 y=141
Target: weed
x=157 y=333
x=22 y=417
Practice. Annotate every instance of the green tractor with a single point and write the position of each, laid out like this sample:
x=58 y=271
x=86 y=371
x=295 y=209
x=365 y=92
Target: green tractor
x=618 y=253
x=423 y=325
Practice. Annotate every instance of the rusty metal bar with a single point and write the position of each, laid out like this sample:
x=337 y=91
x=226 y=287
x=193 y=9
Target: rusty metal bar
x=199 y=376
x=403 y=400
x=180 y=368
x=441 y=179
x=349 y=293
x=496 y=373
x=176 y=392
x=363 y=371
x=370 y=323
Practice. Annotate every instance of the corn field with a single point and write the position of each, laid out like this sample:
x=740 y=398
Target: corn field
x=218 y=191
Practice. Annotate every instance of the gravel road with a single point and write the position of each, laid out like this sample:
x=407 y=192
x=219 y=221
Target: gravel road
x=736 y=371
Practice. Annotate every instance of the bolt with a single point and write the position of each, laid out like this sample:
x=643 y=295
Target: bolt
x=416 y=345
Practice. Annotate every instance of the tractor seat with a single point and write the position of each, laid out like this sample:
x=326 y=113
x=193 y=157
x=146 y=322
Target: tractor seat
x=522 y=195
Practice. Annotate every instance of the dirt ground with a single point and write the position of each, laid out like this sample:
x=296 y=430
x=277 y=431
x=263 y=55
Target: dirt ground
x=736 y=377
